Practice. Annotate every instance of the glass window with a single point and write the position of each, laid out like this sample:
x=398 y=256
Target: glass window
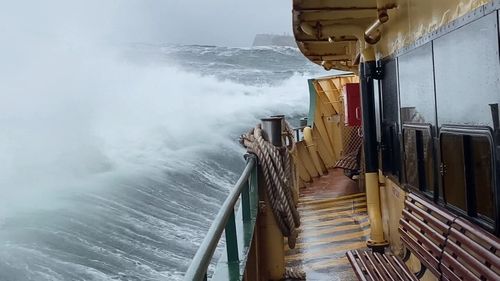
x=411 y=159
x=453 y=170
x=481 y=157
x=419 y=160
x=467 y=169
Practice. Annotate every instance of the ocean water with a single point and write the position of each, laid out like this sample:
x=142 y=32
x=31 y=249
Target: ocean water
x=113 y=166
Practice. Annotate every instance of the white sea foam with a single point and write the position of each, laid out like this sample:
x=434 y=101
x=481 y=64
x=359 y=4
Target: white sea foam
x=98 y=151
x=82 y=115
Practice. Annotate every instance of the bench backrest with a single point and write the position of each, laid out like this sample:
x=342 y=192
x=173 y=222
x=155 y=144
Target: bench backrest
x=424 y=228
x=470 y=253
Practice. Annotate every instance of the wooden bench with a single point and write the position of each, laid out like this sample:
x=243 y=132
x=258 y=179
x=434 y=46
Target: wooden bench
x=470 y=253
x=449 y=247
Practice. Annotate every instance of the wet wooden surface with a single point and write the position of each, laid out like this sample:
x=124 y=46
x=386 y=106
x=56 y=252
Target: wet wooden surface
x=333 y=221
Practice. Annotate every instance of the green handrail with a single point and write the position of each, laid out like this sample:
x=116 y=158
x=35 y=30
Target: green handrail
x=247 y=187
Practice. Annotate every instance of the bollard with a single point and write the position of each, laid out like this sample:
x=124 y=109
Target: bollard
x=271 y=128
x=283 y=118
x=295 y=189
x=271 y=248
x=303 y=122
x=283 y=126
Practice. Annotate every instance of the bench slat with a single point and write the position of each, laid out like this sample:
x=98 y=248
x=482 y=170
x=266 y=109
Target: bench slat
x=479 y=233
x=424 y=257
x=397 y=265
x=481 y=238
x=438 y=237
x=370 y=266
x=454 y=266
x=360 y=273
x=471 y=253
x=411 y=197
x=448 y=275
x=389 y=268
x=385 y=267
x=436 y=223
x=381 y=273
x=428 y=246
x=452 y=248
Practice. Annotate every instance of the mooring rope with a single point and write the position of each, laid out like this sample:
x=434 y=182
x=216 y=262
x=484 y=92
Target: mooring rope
x=279 y=177
x=277 y=167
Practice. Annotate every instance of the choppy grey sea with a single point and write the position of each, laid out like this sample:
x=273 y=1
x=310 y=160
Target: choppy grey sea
x=119 y=175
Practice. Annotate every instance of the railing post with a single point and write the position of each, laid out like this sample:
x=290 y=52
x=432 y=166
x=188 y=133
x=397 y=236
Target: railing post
x=231 y=239
x=224 y=221
x=245 y=202
x=254 y=188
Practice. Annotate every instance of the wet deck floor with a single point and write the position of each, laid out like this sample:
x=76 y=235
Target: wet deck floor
x=333 y=221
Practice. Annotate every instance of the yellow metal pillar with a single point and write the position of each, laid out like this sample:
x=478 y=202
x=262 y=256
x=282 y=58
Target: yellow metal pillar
x=271 y=241
x=367 y=72
x=373 y=207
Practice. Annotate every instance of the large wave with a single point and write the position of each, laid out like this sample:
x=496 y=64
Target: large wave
x=113 y=168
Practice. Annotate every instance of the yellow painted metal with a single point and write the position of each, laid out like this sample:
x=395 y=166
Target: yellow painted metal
x=252 y=267
x=324 y=110
x=333 y=94
x=330 y=123
x=327 y=160
x=416 y=18
x=305 y=159
x=323 y=144
x=296 y=185
x=392 y=203
x=369 y=54
x=313 y=150
x=337 y=136
x=332 y=33
x=302 y=171
x=272 y=259
x=373 y=206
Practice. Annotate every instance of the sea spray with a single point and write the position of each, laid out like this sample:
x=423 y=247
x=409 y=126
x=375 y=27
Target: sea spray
x=114 y=166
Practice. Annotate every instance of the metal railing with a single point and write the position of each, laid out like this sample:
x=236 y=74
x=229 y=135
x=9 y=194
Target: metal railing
x=247 y=187
x=298 y=133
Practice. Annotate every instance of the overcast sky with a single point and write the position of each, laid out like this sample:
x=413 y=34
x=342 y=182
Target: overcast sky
x=214 y=22
x=221 y=22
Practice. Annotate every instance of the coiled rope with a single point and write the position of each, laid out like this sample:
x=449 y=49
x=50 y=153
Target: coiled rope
x=277 y=167
x=279 y=176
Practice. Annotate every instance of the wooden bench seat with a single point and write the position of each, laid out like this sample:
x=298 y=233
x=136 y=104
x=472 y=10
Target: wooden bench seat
x=446 y=245
x=470 y=253
x=375 y=266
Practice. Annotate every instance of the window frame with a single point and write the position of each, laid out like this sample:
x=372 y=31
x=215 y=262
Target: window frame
x=471 y=131
x=428 y=191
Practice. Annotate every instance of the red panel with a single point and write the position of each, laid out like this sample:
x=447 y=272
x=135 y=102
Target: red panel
x=352 y=104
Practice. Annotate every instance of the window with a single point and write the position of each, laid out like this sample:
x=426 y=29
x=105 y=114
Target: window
x=418 y=157
x=467 y=172
x=391 y=154
x=391 y=148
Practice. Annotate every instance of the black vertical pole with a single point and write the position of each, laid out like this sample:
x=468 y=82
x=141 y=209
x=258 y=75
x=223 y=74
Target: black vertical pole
x=367 y=70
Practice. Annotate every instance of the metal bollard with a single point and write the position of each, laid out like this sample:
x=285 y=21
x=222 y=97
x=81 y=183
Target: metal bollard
x=272 y=128
x=303 y=122
x=271 y=245
x=283 y=118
